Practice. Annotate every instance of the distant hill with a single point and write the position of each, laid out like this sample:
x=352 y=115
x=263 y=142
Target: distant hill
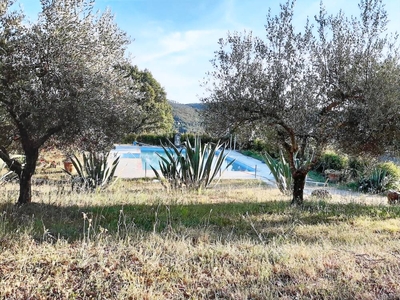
x=187 y=117
x=198 y=106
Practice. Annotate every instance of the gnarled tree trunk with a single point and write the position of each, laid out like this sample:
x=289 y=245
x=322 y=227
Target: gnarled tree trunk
x=25 y=177
x=299 y=181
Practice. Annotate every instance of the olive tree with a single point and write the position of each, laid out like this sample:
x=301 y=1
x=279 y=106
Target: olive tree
x=335 y=81
x=60 y=80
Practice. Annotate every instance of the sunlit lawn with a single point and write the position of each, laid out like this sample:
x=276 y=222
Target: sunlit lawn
x=238 y=240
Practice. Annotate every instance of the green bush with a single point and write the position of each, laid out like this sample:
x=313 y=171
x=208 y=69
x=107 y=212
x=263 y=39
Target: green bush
x=392 y=173
x=356 y=167
x=391 y=169
x=257 y=145
x=204 y=138
x=375 y=182
x=382 y=177
x=129 y=138
x=331 y=160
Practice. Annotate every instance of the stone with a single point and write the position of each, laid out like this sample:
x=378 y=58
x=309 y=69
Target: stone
x=323 y=194
x=393 y=197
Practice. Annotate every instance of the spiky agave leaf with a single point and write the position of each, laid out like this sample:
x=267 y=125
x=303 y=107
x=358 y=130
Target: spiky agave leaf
x=196 y=168
x=280 y=170
x=94 y=171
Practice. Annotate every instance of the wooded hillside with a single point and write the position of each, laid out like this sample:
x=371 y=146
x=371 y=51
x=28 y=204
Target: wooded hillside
x=187 y=117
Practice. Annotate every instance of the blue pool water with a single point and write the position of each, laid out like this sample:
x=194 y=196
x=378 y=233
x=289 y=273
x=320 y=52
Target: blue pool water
x=149 y=156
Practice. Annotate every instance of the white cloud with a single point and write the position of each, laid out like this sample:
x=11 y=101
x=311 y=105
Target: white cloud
x=178 y=60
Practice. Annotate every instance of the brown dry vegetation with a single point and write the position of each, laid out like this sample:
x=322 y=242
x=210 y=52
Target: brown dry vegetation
x=238 y=240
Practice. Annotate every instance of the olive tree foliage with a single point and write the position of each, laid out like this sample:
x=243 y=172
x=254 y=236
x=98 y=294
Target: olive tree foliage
x=154 y=113
x=60 y=80
x=335 y=81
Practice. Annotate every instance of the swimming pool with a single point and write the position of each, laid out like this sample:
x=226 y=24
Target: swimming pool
x=149 y=156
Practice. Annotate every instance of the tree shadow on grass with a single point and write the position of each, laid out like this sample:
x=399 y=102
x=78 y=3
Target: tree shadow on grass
x=236 y=220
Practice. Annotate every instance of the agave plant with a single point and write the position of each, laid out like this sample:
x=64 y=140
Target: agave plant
x=94 y=172
x=190 y=167
x=377 y=182
x=280 y=169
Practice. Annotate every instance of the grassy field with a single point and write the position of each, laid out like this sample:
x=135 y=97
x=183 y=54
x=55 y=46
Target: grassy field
x=238 y=240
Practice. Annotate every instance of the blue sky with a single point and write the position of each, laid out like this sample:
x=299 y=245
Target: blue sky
x=176 y=39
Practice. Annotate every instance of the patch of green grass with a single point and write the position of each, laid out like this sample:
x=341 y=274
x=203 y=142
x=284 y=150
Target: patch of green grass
x=316 y=176
x=253 y=154
x=68 y=221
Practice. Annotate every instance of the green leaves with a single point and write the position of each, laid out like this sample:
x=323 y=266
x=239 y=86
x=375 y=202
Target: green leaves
x=280 y=169
x=191 y=167
x=94 y=172
x=152 y=112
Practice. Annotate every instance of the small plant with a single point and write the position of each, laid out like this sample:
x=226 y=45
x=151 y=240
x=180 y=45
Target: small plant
x=392 y=174
x=190 y=167
x=280 y=169
x=382 y=177
x=374 y=183
x=330 y=160
x=94 y=172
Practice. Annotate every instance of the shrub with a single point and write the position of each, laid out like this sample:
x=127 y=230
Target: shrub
x=331 y=160
x=253 y=154
x=382 y=177
x=280 y=169
x=149 y=139
x=129 y=138
x=392 y=173
x=356 y=167
x=260 y=145
x=391 y=168
x=94 y=172
x=374 y=183
x=191 y=167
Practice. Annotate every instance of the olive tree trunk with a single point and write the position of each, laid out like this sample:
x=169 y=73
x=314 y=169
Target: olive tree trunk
x=299 y=181
x=25 y=176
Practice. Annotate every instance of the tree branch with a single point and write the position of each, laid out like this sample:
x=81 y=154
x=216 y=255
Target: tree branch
x=48 y=134
x=12 y=164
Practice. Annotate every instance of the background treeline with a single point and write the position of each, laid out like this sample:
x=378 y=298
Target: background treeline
x=187 y=117
x=162 y=139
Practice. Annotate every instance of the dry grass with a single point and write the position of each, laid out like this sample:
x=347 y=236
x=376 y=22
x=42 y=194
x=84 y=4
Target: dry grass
x=240 y=240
